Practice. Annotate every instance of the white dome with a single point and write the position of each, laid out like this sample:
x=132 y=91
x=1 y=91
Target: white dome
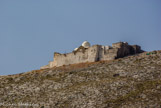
x=86 y=44
x=75 y=49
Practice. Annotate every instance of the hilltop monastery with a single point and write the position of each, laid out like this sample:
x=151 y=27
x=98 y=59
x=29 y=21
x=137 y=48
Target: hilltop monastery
x=88 y=53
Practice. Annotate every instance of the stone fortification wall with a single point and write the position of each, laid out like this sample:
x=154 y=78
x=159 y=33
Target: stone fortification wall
x=118 y=50
x=93 y=54
x=81 y=55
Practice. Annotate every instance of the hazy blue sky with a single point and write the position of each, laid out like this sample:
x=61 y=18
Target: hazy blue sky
x=32 y=30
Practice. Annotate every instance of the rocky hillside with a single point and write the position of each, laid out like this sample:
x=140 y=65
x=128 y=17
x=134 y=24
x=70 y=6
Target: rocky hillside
x=129 y=82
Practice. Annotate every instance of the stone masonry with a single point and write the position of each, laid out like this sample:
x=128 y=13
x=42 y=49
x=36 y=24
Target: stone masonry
x=93 y=54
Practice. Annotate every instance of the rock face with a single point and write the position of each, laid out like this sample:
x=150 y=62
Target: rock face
x=85 y=53
x=129 y=82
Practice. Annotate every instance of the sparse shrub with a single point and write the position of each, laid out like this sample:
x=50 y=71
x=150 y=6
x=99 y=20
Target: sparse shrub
x=116 y=75
x=42 y=107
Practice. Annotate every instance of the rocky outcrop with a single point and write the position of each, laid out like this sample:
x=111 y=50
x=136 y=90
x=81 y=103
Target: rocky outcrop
x=85 y=53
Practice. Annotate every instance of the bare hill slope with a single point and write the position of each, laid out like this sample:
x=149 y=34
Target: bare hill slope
x=129 y=82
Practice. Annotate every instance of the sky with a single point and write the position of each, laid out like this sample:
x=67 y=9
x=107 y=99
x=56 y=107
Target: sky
x=32 y=30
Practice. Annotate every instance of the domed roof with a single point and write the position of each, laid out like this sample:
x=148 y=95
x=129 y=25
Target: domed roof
x=86 y=44
x=75 y=49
